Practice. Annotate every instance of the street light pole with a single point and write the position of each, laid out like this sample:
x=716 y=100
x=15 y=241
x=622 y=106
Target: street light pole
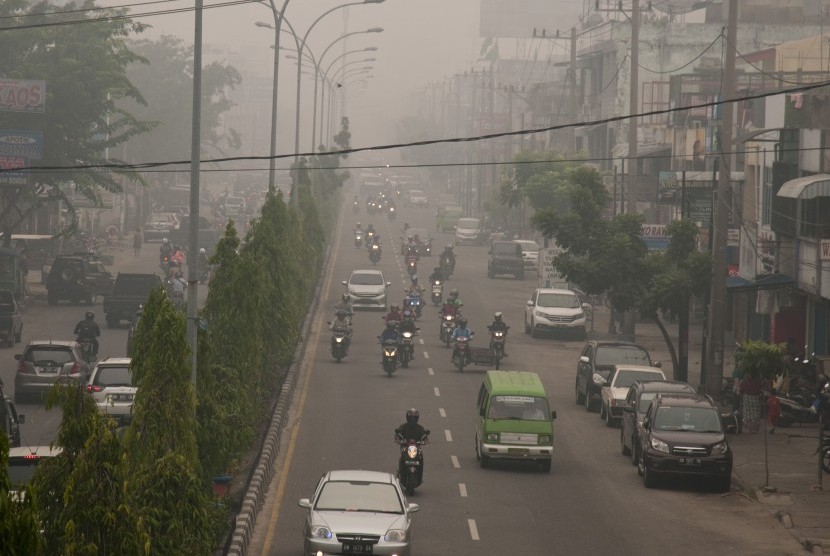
x=300 y=47
x=326 y=79
x=195 y=170
x=272 y=161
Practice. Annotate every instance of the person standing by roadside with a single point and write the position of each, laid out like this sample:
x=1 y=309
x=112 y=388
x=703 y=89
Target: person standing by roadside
x=750 y=390
x=24 y=270
x=138 y=241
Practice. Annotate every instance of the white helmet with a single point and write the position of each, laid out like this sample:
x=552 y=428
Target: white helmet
x=165 y=241
x=202 y=251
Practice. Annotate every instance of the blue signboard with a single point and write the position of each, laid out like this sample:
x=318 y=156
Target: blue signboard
x=20 y=143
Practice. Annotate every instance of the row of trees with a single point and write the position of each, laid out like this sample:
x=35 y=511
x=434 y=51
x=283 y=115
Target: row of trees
x=607 y=256
x=146 y=488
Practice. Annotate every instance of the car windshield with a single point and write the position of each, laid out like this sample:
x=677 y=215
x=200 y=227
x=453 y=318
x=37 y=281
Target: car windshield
x=693 y=419
x=626 y=378
x=468 y=223
x=366 y=280
x=559 y=300
x=359 y=496
x=523 y=408
x=621 y=355
x=113 y=376
x=59 y=355
x=507 y=249
x=420 y=232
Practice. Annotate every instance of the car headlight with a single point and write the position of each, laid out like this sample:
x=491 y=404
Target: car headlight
x=540 y=314
x=579 y=316
x=659 y=445
x=492 y=437
x=719 y=449
x=395 y=535
x=598 y=380
x=544 y=439
x=320 y=532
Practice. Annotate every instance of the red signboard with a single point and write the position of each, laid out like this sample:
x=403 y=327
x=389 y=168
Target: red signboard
x=22 y=95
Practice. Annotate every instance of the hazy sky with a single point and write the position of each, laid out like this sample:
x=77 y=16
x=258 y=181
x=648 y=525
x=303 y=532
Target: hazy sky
x=423 y=41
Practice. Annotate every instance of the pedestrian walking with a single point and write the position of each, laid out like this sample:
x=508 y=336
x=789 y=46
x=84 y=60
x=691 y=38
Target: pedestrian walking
x=773 y=410
x=24 y=270
x=750 y=390
x=138 y=240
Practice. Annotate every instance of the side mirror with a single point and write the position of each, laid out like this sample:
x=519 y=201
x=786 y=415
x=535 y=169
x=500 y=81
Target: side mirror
x=657 y=364
x=345 y=283
x=530 y=303
x=553 y=415
x=388 y=284
x=481 y=411
x=18 y=356
x=647 y=423
x=586 y=306
x=21 y=419
x=584 y=359
x=304 y=503
x=412 y=508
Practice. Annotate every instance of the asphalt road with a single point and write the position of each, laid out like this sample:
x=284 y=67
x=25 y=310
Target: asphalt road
x=591 y=502
x=44 y=322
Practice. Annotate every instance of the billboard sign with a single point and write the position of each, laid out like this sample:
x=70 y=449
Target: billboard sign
x=14 y=171
x=21 y=143
x=22 y=95
x=655 y=238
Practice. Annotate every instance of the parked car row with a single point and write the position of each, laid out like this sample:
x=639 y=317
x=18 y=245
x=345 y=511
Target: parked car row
x=667 y=429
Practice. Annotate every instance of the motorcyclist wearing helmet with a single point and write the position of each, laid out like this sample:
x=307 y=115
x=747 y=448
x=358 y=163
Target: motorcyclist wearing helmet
x=358 y=228
x=203 y=260
x=411 y=430
x=498 y=324
x=414 y=286
x=452 y=306
x=166 y=249
x=342 y=321
x=394 y=314
x=390 y=334
x=408 y=325
x=88 y=329
x=461 y=330
x=345 y=304
x=436 y=276
x=448 y=253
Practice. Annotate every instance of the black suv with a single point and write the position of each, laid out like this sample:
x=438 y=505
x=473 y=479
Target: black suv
x=506 y=258
x=597 y=360
x=683 y=437
x=637 y=402
x=9 y=419
x=77 y=278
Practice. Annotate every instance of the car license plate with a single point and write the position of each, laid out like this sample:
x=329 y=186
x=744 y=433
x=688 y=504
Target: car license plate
x=121 y=397
x=357 y=548
x=690 y=462
x=517 y=450
x=50 y=370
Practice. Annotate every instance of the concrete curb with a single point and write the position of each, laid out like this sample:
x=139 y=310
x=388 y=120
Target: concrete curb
x=264 y=470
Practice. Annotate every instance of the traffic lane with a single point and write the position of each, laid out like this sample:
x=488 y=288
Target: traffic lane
x=44 y=322
x=590 y=478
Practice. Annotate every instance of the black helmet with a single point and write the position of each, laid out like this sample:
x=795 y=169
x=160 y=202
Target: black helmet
x=462 y=323
x=345 y=297
x=412 y=416
x=453 y=294
x=90 y=315
x=341 y=313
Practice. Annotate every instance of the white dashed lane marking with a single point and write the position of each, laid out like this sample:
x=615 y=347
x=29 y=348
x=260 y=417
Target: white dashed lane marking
x=473 y=529
x=462 y=490
x=437 y=392
x=455 y=462
x=426 y=355
x=430 y=371
x=448 y=434
x=421 y=340
x=442 y=412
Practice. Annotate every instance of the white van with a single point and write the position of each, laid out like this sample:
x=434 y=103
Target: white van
x=468 y=230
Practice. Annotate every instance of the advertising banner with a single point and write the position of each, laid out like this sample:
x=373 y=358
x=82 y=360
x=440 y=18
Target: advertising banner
x=22 y=95
x=14 y=171
x=21 y=143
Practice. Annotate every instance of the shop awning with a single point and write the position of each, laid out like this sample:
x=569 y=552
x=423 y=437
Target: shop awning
x=808 y=187
x=762 y=282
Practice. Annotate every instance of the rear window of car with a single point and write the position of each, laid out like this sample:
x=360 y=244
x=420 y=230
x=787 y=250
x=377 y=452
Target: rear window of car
x=507 y=249
x=625 y=378
x=469 y=223
x=57 y=354
x=134 y=284
x=111 y=375
x=366 y=280
x=525 y=408
x=621 y=355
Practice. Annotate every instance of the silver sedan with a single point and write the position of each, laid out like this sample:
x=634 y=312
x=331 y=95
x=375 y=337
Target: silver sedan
x=357 y=512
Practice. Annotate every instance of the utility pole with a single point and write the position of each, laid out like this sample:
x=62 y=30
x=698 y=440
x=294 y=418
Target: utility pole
x=717 y=301
x=574 y=108
x=633 y=94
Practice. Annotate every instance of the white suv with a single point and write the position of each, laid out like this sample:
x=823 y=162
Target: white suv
x=552 y=310
x=367 y=288
x=111 y=387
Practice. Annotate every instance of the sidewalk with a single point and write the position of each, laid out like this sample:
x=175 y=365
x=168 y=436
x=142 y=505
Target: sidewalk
x=786 y=479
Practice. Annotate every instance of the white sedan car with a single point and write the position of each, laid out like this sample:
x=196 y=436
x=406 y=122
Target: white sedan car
x=530 y=253
x=615 y=390
x=110 y=385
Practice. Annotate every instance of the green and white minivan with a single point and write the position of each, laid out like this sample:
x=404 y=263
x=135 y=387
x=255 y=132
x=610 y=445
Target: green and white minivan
x=514 y=419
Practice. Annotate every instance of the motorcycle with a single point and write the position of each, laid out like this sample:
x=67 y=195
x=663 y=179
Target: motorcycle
x=390 y=356
x=461 y=355
x=497 y=338
x=369 y=238
x=793 y=412
x=447 y=326
x=391 y=214
x=413 y=303
x=356 y=208
x=339 y=343
x=411 y=464
x=164 y=263
x=446 y=267
x=358 y=239
x=411 y=265
x=407 y=348
x=374 y=253
x=86 y=349
x=437 y=292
